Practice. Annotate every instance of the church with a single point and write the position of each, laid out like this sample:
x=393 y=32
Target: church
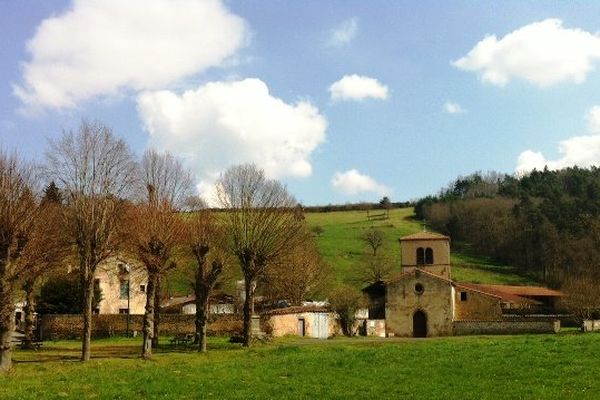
x=423 y=300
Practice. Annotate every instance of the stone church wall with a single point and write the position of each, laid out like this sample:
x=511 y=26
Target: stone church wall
x=403 y=301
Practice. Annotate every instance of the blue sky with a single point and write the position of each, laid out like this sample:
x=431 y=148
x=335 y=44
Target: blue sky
x=342 y=100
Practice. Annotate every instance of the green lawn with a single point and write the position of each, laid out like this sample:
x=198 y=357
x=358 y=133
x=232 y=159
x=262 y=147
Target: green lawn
x=503 y=367
x=341 y=247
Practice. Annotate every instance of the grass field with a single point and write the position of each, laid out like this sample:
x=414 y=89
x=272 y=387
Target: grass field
x=562 y=366
x=341 y=247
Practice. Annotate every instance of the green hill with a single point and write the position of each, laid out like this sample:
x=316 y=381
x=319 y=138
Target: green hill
x=341 y=247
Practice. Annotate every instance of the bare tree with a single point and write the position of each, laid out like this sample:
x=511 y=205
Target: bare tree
x=373 y=268
x=95 y=170
x=151 y=233
x=298 y=273
x=346 y=301
x=162 y=181
x=46 y=248
x=582 y=297
x=374 y=238
x=262 y=223
x=205 y=236
x=18 y=208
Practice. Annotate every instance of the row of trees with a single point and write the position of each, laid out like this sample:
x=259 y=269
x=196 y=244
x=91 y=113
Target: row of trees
x=110 y=203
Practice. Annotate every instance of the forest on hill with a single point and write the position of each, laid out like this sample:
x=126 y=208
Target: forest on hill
x=545 y=223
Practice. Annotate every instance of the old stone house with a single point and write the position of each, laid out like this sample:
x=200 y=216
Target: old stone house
x=423 y=300
x=123 y=283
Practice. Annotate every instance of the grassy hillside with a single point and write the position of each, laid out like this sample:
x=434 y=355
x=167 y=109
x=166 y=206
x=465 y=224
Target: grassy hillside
x=341 y=247
x=503 y=367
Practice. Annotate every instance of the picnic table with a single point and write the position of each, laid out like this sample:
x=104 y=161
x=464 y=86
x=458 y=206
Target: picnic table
x=21 y=341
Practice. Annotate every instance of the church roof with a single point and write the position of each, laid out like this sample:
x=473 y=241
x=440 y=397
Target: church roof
x=425 y=236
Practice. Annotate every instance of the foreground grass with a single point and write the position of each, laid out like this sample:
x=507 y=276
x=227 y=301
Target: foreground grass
x=341 y=247
x=515 y=367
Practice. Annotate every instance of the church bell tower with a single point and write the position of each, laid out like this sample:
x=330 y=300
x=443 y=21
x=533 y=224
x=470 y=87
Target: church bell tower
x=427 y=251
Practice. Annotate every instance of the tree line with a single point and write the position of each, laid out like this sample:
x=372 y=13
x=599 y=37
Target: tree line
x=102 y=201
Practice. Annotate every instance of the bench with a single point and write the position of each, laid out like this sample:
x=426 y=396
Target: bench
x=183 y=338
x=21 y=342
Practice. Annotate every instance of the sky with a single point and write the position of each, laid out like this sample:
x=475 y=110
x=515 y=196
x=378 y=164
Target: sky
x=343 y=101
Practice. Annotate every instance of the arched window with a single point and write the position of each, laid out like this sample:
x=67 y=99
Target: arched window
x=420 y=256
x=428 y=256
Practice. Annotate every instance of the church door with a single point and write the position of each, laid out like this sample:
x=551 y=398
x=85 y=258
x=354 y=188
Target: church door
x=419 y=324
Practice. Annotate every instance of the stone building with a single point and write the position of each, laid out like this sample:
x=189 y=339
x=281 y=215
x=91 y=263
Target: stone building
x=123 y=284
x=423 y=300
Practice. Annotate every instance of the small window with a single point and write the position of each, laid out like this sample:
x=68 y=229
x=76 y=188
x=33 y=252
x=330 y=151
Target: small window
x=123 y=310
x=124 y=290
x=143 y=288
x=96 y=284
x=463 y=296
x=420 y=256
x=419 y=289
x=428 y=256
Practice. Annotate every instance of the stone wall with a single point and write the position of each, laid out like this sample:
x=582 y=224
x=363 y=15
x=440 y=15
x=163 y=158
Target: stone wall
x=470 y=305
x=69 y=326
x=590 y=325
x=505 y=327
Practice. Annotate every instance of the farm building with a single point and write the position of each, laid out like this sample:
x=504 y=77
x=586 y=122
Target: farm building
x=307 y=321
x=423 y=300
x=219 y=304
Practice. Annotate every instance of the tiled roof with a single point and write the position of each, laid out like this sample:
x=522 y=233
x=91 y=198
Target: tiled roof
x=425 y=236
x=537 y=291
x=498 y=291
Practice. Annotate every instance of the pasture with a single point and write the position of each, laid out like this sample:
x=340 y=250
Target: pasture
x=500 y=367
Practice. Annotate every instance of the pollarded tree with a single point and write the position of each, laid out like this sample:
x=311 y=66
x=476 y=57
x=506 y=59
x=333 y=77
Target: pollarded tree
x=204 y=238
x=261 y=223
x=46 y=249
x=152 y=231
x=96 y=171
x=162 y=181
x=18 y=208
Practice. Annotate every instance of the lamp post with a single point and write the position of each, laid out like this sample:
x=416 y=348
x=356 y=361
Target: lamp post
x=127 y=269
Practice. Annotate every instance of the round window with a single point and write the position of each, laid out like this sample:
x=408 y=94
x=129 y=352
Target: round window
x=419 y=289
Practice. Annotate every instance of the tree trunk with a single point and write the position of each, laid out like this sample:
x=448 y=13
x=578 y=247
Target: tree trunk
x=149 y=317
x=201 y=316
x=29 y=311
x=87 y=278
x=248 y=310
x=7 y=311
x=156 y=332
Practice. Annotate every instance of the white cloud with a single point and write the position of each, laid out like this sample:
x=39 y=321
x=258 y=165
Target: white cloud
x=453 y=108
x=103 y=47
x=344 y=33
x=357 y=87
x=582 y=151
x=225 y=123
x=352 y=182
x=542 y=53
x=593 y=119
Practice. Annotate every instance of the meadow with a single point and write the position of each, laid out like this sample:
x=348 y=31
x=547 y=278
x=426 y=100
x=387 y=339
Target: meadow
x=499 y=367
x=341 y=247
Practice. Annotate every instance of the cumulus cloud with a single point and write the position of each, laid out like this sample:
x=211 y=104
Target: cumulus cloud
x=582 y=151
x=453 y=108
x=225 y=123
x=543 y=53
x=344 y=33
x=103 y=47
x=593 y=119
x=352 y=182
x=357 y=87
